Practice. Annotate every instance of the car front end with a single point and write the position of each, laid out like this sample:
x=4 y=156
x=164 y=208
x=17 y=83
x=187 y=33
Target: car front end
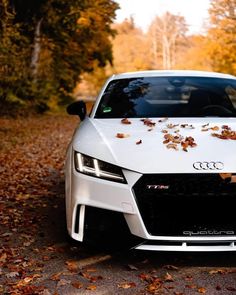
x=146 y=166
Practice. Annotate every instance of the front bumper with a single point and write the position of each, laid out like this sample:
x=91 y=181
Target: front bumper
x=93 y=192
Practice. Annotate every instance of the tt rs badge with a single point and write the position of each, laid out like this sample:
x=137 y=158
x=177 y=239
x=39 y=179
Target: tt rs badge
x=157 y=187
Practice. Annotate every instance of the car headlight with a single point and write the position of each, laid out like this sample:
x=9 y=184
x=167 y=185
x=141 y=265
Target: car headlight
x=93 y=167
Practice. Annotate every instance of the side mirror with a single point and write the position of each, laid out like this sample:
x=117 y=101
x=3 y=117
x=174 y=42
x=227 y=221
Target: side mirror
x=77 y=108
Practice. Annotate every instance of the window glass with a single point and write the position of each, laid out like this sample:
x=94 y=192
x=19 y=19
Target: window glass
x=168 y=97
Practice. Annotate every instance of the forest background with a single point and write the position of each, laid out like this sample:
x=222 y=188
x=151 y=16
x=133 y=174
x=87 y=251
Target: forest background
x=55 y=51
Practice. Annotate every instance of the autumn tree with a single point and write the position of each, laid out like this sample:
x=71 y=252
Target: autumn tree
x=130 y=48
x=58 y=41
x=167 y=33
x=131 y=52
x=222 y=35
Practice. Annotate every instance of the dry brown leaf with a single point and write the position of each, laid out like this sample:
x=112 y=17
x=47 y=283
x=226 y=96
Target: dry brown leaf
x=215 y=128
x=72 y=265
x=172 y=146
x=122 y=135
x=91 y=288
x=56 y=277
x=126 y=285
x=171 y=126
x=152 y=288
x=139 y=142
x=63 y=282
x=125 y=121
x=217 y=271
x=77 y=284
x=201 y=290
x=3 y=257
x=148 y=122
x=168 y=277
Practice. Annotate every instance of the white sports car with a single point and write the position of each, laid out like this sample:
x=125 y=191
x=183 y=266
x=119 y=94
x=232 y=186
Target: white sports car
x=156 y=159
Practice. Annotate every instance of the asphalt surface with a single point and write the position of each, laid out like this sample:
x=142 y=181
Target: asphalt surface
x=36 y=256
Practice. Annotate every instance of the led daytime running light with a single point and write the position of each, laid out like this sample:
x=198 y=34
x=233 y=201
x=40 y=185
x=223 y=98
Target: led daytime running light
x=96 y=169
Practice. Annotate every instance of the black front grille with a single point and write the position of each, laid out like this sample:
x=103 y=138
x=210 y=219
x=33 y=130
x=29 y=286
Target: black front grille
x=187 y=204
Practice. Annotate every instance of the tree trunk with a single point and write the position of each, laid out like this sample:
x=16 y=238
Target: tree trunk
x=36 y=50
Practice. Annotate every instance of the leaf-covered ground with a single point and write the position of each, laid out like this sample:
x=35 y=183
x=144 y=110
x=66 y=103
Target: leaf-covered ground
x=35 y=257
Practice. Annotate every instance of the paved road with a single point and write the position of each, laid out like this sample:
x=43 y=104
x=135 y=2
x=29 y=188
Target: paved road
x=35 y=255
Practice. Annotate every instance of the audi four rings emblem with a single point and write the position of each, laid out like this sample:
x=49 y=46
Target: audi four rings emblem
x=208 y=165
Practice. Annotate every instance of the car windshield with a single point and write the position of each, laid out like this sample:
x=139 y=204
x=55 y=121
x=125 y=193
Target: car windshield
x=168 y=97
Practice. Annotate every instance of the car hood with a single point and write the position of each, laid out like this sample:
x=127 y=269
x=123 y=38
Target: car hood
x=98 y=138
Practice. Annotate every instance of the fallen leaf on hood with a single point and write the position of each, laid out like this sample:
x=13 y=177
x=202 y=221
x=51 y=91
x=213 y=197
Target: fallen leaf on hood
x=172 y=146
x=226 y=127
x=164 y=131
x=122 y=135
x=148 y=122
x=184 y=145
x=125 y=121
x=139 y=141
x=171 y=126
x=226 y=133
x=215 y=128
x=189 y=141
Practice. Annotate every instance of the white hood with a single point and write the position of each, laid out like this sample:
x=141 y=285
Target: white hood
x=97 y=138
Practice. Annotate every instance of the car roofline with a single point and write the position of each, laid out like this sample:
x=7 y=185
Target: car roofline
x=171 y=73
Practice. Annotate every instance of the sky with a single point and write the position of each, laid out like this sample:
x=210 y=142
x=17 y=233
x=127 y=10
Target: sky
x=144 y=11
